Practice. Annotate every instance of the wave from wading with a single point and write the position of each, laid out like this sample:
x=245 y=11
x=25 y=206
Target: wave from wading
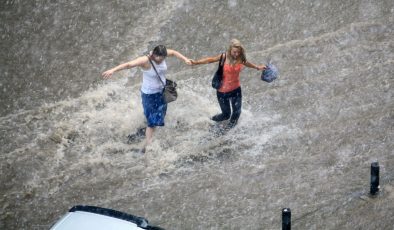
x=304 y=141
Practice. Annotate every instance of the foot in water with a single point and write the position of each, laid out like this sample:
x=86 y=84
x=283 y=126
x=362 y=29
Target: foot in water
x=142 y=151
x=219 y=129
x=220 y=117
x=231 y=125
x=137 y=136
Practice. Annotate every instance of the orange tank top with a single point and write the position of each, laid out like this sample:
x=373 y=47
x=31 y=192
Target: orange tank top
x=230 y=77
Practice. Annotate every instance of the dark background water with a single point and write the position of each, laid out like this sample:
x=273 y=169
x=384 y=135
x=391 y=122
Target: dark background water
x=305 y=141
x=52 y=50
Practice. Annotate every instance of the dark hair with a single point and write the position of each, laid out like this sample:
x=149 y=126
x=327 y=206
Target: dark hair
x=160 y=50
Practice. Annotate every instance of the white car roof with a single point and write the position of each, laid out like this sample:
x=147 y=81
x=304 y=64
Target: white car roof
x=96 y=218
x=80 y=220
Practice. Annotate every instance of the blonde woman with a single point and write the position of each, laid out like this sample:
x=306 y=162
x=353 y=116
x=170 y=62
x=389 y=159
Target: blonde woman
x=229 y=94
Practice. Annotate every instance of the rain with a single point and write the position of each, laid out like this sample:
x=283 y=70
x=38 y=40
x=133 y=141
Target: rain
x=306 y=141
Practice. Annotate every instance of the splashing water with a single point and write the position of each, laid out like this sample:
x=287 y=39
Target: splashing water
x=304 y=141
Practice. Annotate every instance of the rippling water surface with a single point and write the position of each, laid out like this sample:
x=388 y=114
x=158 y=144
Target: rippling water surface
x=305 y=141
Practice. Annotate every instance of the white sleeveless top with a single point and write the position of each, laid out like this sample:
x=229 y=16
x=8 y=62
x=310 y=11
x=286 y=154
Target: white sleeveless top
x=150 y=82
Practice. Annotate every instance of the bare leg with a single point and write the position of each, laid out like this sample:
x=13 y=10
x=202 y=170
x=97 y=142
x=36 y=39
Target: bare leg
x=148 y=138
x=149 y=134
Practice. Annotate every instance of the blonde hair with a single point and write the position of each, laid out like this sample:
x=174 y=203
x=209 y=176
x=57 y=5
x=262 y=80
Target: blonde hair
x=235 y=43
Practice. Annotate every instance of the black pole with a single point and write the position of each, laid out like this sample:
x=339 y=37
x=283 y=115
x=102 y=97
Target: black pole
x=286 y=219
x=374 y=178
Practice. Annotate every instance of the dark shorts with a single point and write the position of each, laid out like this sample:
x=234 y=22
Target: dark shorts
x=154 y=109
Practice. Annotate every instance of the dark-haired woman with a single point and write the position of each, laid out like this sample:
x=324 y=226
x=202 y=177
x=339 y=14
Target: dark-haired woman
x=229 y=94
x=152 y=87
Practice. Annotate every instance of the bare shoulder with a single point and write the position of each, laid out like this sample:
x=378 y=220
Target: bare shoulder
x=171 y=52
x=142 y=61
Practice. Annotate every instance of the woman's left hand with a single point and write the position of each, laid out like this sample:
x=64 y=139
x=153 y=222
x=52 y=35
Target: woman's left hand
x=261 y=67
x=108 y=74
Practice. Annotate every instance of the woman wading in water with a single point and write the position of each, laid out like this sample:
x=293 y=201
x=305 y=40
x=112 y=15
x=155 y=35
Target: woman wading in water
x=229 y=95
x=152 y=87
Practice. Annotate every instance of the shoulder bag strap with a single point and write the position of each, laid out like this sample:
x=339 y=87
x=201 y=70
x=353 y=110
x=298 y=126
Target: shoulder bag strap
x=222 y=60
x=158 y=76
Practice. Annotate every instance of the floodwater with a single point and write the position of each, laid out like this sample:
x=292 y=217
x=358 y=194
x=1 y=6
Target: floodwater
x=304 y=142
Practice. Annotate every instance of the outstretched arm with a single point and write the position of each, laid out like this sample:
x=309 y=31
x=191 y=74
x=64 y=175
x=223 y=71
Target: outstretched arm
x=251 y=65
x=179 y=56
x=141 y=61
x=206 y=60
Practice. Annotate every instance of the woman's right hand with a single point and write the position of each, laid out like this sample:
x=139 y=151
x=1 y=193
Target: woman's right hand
x=261 y=67
x=189 y=62
x=108 y=74
x=193 y=62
